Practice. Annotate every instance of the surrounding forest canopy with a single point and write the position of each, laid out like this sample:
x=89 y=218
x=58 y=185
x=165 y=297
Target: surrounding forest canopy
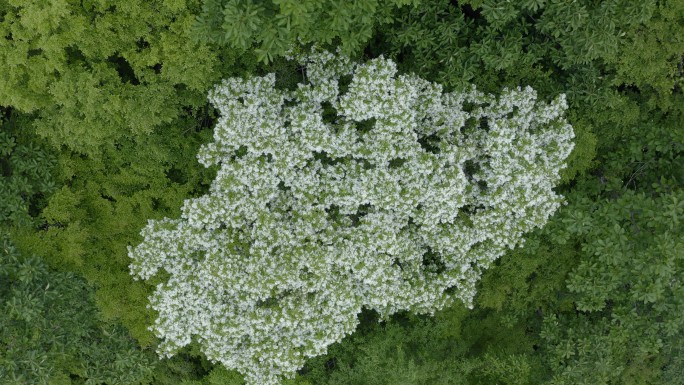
x=104 y=107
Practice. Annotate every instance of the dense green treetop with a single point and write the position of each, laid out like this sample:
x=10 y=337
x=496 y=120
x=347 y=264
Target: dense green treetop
x=96 y=72
x=615 y=41
x=26 y=169
x=272 y=27
x=629 y=291
x=50 y=331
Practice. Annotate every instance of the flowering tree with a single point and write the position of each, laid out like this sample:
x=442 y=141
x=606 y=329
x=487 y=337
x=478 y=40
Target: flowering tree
x=361 y=188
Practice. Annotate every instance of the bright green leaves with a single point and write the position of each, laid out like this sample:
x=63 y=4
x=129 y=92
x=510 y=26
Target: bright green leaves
x=118 y=89
x=134 y=77
x=89 y=222
x=653 y=58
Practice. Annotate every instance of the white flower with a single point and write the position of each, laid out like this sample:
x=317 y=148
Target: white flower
x=385 y=197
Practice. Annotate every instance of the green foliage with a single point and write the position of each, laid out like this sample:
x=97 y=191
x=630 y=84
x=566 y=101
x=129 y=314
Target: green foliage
x=408 y=350
x=119 y=91
x=528 y=280
x=591 y=56
x=644 y=152
x=530 y=41
x=651 y=53
x=221 y=376
x=50 y=331
x=626 y=324
x=272 y=27
x=186 y=368
x=25 y=170
x=100 y=72
x=91 y=220
x=456 y=346
x=628 y=290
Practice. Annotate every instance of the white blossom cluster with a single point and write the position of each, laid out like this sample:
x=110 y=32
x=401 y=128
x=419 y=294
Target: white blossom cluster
x=378 y=191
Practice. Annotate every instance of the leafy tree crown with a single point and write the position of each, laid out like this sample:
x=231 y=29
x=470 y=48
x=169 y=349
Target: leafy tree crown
x=361 y=188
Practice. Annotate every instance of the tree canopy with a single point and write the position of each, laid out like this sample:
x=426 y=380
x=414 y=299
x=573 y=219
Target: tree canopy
x=326 y=201
x=103 y=110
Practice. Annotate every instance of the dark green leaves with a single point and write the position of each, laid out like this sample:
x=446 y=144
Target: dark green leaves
x=25 y=170
x=272 y=27
x=50 y=329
